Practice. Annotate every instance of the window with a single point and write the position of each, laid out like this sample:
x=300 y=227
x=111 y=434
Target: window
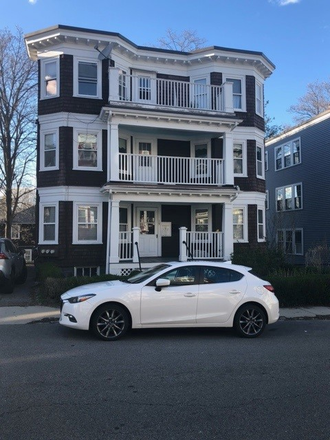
x=49 y=151
x=287 y=155
x=289 y=198
x=266 y=160
x=261 y=225
x=238 y=158
x=200 y=93
x=86 y=271
x=267 y=200
x=259 y=99
x=237 y=93
x=239 y=226
x=123 y=95
x=290 y=241
x=87 y=150
x=214 y=275
x=201 y=220
x=144 y=88
x=260 y=162
x=87 y=226
x=49 y=79
x=182 y=276
x=87 y=78
x=15 y=232
x=48 y=229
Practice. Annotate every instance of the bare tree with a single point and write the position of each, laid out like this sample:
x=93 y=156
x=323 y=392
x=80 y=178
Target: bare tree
x=270 y=128
x=315 y=101
x=186 y=41
x=18 y=98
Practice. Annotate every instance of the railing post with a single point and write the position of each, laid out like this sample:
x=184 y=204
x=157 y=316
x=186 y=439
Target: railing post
x=182 y=243
x=136 y=238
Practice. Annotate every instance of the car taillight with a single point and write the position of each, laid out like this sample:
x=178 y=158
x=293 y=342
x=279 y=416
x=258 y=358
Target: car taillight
x=269 y=287
x=3 y=256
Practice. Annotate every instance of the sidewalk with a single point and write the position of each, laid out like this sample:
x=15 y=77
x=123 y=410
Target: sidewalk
x=30 y=314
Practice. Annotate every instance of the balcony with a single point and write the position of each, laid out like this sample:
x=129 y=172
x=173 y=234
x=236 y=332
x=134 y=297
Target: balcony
x=138 y=168
x=177 y=95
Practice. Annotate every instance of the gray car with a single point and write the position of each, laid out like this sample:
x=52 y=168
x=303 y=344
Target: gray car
x=12 y=266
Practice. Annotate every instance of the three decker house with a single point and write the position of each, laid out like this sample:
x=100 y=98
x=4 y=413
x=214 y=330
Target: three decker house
x=146 y=154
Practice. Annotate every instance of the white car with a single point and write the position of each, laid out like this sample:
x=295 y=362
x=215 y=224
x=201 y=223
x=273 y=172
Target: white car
x=190 y=294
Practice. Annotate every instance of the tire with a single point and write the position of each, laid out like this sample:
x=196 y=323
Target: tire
x=250 y=321
x=10 y=283
x=110 y=322
x=22 y=278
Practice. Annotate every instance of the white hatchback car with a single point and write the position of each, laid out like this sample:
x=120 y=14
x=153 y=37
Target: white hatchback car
x=190 y=294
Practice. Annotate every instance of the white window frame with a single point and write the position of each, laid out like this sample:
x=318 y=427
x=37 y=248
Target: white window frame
x=43 y=91
x=241 y=78
x=209 y=217
x=98 y=78
x=290 y=145
x=42 y=207
x=245 y=224
x=43 y=134
x=244 y=158
x=259 y=99
x=98 y=134
x=267 y=199
x=86 y=268
x=200 y=92
x=282 y=189
x=139 y=75
x=76 y=206
x=261 y=224
x=260 y=162
x=266 y=161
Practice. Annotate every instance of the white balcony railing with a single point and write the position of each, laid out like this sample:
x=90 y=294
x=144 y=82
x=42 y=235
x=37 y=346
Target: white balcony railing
x=205 y=245
x=172 y=170
x=144 y=89
x=125 y=250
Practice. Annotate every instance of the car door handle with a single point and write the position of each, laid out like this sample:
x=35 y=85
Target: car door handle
x=234 y=292
x=189 y=295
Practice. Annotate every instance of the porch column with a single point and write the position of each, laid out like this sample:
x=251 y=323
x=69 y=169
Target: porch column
x=228 y=245
x=136 y=238
x=113 y=151
x=228 y=156
x=114 y=231
x=182 y=246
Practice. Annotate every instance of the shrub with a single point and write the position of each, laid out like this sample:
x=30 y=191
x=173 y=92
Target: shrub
x=47 y=270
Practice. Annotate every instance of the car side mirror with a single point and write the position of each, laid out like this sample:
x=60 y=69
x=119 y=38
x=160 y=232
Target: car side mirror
x=162 y=282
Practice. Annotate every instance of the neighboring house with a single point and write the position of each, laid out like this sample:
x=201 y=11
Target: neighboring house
x=145 y=151
x=298 y=187
x=23 y=232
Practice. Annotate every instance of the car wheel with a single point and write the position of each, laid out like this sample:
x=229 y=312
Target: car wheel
x=250 y=321
x=109 y=322
x=10 y=283
x=22 y=278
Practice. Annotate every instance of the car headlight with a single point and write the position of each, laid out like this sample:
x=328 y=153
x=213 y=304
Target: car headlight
x=80 y=298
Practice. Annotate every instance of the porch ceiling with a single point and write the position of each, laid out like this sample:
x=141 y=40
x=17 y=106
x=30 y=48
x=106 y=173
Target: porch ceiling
x=199 y=121
x=170 y=193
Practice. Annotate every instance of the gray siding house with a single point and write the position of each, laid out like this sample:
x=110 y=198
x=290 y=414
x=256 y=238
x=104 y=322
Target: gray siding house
x=298 y=187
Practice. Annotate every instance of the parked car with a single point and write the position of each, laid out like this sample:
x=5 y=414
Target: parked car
x=12 y=265
x=190 y=294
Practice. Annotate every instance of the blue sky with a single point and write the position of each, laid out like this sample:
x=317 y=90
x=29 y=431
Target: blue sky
x=293 y=34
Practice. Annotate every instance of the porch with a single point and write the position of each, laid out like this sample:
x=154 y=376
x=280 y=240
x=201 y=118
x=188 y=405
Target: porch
x=148 y=89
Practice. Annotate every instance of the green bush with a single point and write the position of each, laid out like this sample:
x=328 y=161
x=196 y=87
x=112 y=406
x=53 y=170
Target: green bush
x=301 y=288
x=47 y=270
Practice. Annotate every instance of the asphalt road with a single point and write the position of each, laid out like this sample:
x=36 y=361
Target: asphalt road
x=57 y=383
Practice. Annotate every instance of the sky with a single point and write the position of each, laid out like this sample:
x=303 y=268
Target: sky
x=293 y=34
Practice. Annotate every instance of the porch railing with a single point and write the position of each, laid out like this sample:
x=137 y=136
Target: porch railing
x=125 y=250
x=205 y=245
x=146 y=89
x=163 y=169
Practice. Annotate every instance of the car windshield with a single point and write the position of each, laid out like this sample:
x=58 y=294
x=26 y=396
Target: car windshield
x=145 y=274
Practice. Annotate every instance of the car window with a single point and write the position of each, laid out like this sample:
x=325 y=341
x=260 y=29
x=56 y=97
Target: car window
x=212 y=274
x=145 y=274
x=182 y=275
x=10 y=247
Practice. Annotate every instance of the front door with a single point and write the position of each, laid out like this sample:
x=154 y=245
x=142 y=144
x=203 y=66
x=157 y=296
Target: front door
x=148 y=223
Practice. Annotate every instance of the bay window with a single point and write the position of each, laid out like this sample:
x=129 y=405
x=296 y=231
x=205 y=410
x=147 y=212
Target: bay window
x=87 y=223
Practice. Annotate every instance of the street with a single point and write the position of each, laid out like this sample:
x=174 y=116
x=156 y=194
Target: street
x=58 y=383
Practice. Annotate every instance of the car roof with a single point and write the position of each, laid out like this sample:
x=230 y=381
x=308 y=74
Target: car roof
x=222 y=264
